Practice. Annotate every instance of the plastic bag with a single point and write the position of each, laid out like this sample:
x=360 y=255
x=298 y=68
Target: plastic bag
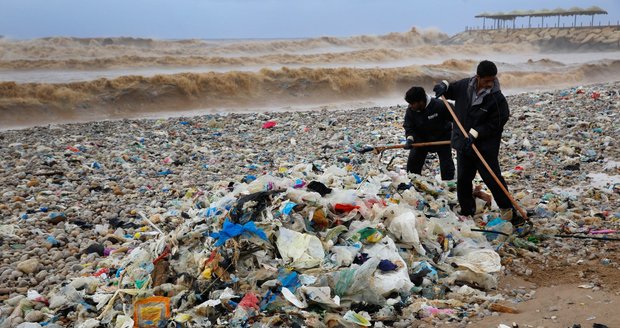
x=385 y=283
x=305 y=251
x=479 y=261
x=498 y=225
x=344 y=255
x=321 y=295
x=289 y=296
x=231 y=230
x=403 y=228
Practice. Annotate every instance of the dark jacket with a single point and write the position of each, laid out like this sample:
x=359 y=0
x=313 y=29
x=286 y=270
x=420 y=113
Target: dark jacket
x=430 y=124
x=487 y=117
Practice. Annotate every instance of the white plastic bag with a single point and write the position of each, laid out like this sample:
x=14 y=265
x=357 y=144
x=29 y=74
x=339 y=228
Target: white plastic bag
x=385 y=283
x=403 y=227
x=304 y=250
x=479 y=261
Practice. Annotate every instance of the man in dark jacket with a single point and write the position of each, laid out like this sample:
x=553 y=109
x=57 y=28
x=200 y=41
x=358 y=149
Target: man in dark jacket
x=483 y=111
x=427 y=119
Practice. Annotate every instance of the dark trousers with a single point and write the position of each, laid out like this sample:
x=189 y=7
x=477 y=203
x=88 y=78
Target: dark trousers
x=467 y=165
x=417 y=158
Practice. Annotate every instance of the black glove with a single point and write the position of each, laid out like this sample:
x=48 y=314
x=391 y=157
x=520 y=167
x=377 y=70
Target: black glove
x=469 y=140
x=440 y=89
x=409 y=143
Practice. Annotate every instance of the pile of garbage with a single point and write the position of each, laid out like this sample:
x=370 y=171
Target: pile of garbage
x=303 y=247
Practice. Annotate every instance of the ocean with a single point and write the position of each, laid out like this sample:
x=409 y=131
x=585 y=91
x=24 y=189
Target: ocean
x=63 y=79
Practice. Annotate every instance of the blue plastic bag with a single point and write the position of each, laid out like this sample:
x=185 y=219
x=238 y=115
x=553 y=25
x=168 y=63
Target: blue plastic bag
x=231 y=230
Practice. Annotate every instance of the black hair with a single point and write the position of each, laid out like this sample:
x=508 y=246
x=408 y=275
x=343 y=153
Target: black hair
x=486 y=68
x=415 y=94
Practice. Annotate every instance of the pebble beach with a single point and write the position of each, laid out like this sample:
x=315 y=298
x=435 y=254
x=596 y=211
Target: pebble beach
x=73 y=195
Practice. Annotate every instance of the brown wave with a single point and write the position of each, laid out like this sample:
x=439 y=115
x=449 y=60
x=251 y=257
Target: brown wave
x=545 y=62
x=457 y=65
x=375 y=55
x=216 y=86
x=131 y=96
x=584 y=73
x=59 y=48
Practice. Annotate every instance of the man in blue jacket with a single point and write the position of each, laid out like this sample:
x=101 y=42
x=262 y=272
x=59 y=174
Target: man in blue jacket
x=426 y=120
x=483 y=111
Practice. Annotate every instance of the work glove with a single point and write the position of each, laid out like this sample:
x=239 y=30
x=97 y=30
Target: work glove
x=441 y=88
x=409 y=142
x=469 y=140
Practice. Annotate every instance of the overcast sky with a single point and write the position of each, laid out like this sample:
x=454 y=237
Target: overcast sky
x=224 y=19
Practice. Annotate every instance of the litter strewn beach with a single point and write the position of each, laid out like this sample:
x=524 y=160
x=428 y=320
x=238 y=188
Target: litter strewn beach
x=274 y=219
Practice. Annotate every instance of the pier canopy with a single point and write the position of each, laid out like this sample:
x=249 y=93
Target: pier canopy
x=500 y=18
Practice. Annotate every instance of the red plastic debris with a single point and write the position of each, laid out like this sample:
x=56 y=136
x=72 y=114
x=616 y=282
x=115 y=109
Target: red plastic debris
x=596 y=95
x=269 y=124
x=249 y=301
x=345 y=208
x=101 y=271
x=163 y=255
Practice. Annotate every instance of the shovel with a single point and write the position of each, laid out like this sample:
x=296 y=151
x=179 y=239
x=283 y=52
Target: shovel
x=380 y=149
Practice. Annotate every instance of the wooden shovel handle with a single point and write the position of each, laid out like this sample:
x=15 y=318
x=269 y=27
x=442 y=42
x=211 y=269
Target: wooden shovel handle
x=484 y=162
x=379 y=149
